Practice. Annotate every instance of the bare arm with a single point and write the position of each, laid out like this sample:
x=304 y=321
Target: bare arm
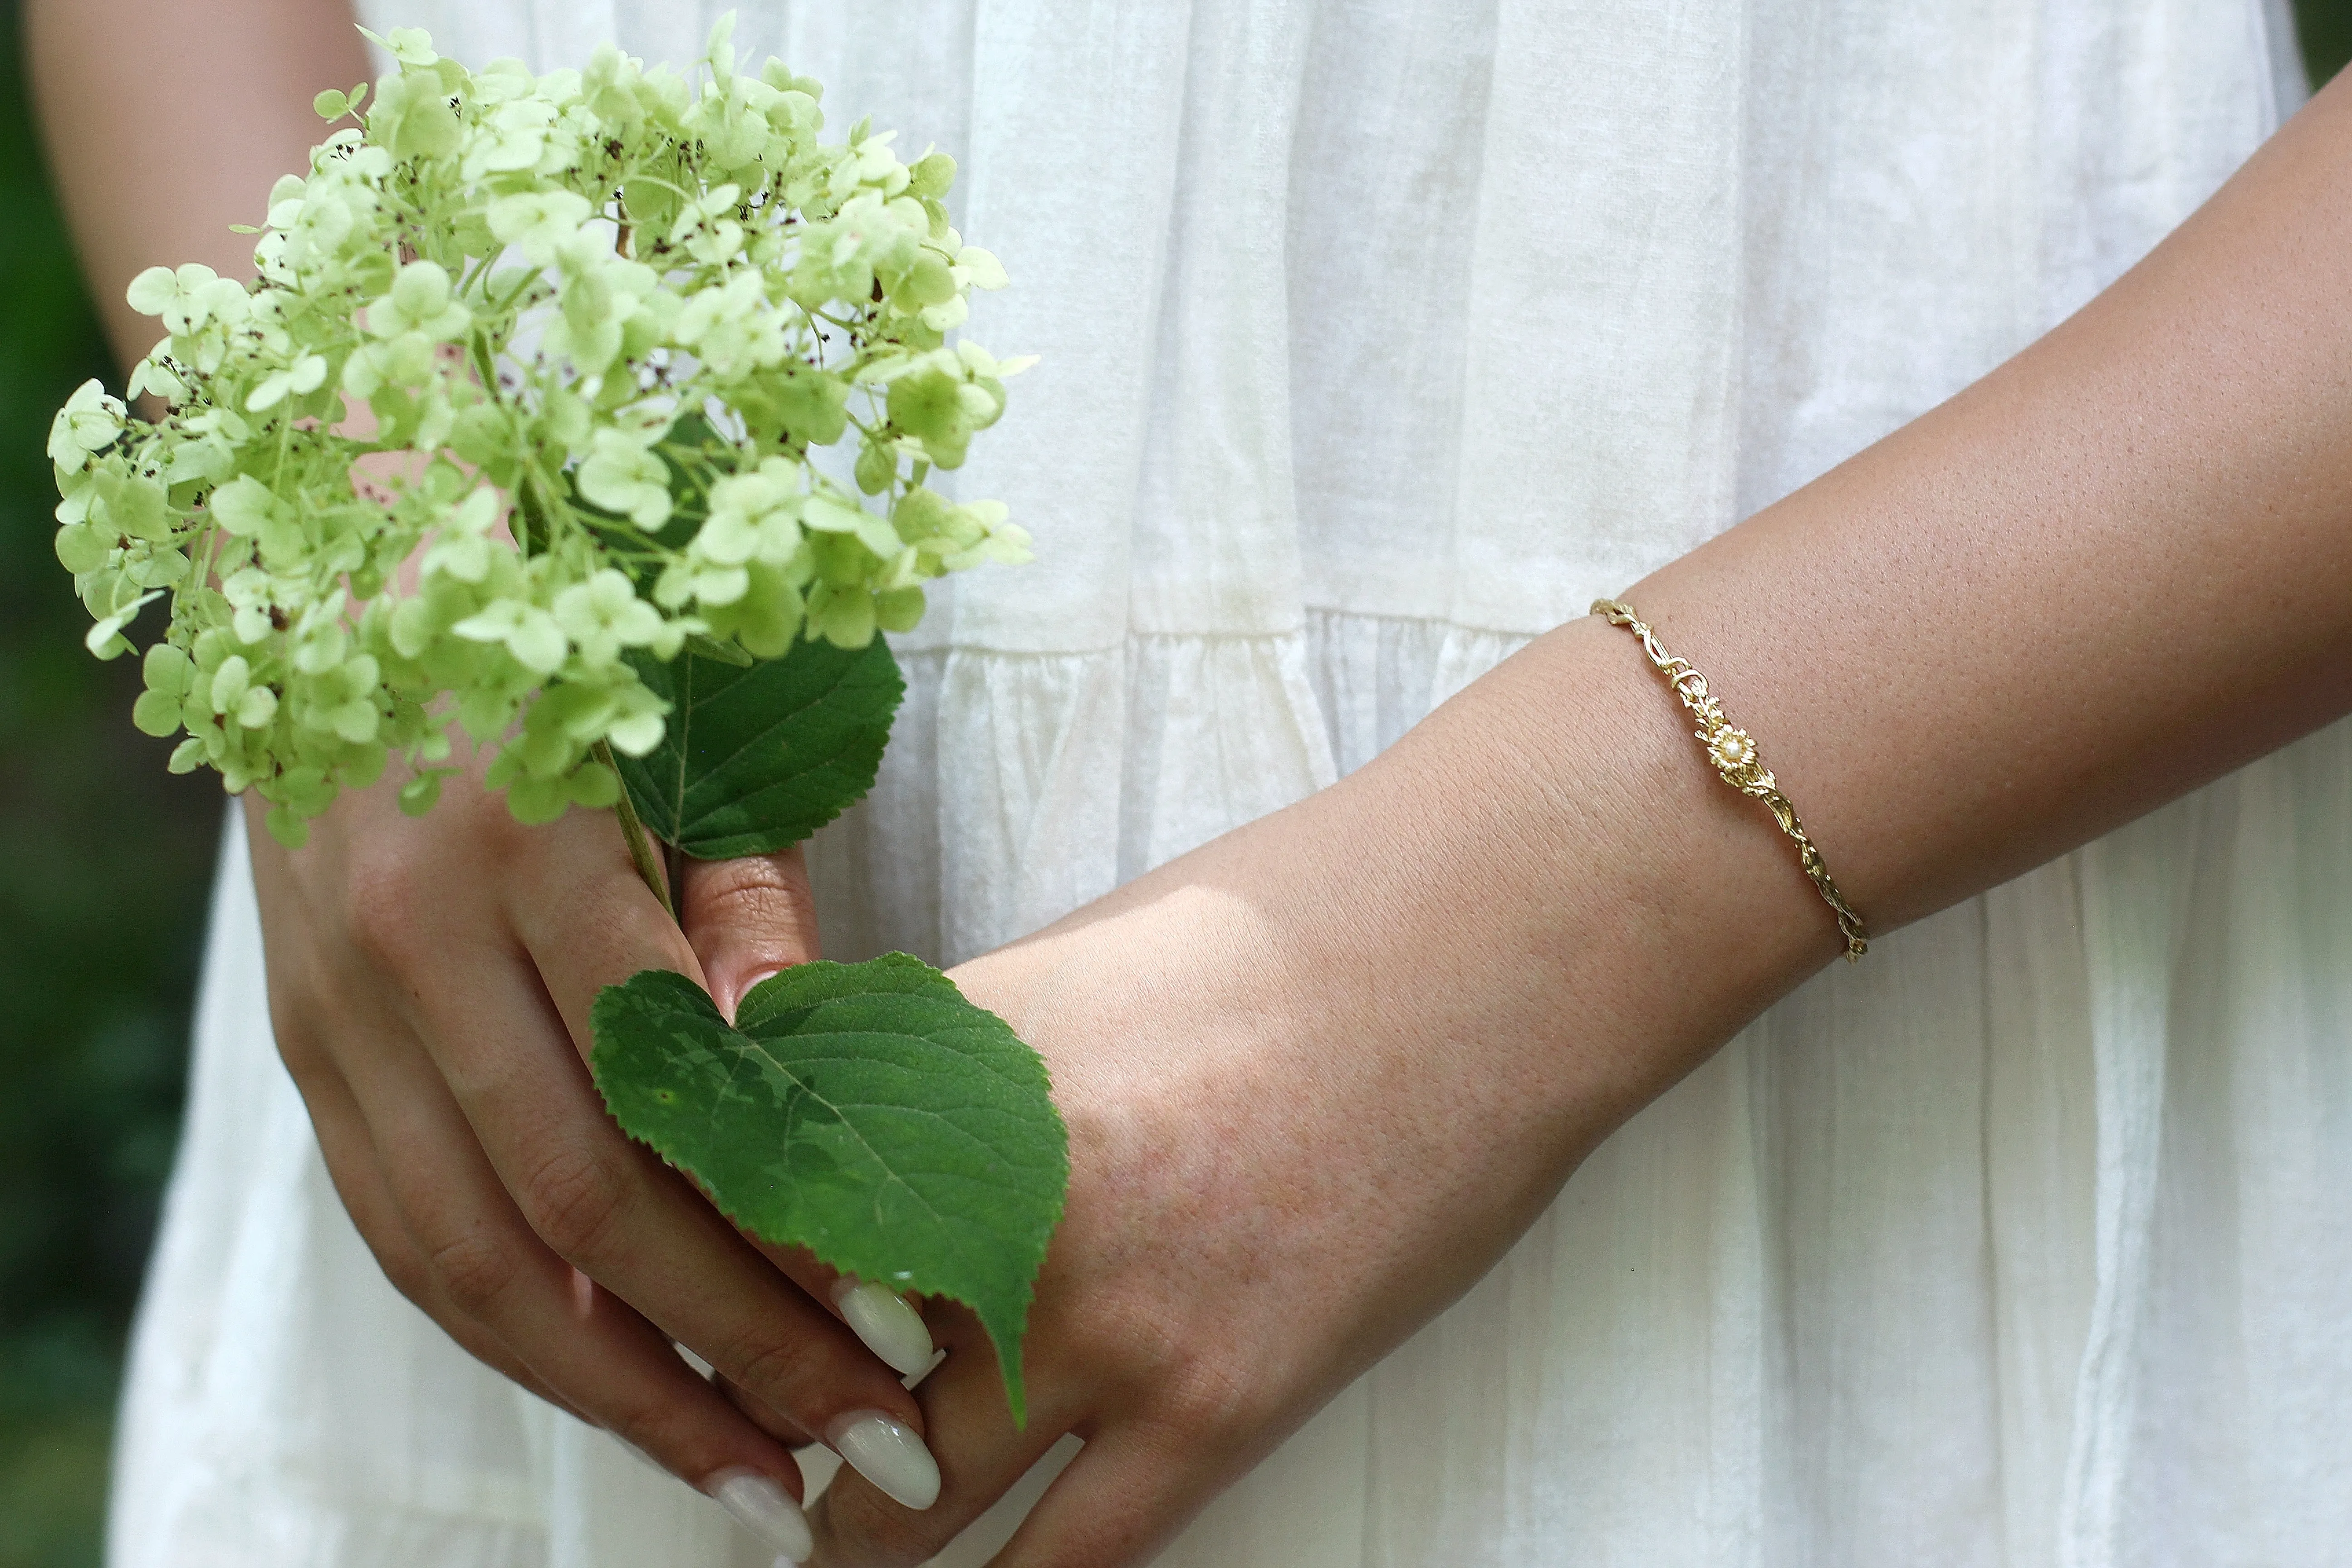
x=165 y=122
x=1335 y=1062
x=2116 y=568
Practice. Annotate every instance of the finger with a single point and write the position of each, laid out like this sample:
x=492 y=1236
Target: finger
x=1124 y=1497
x=352 y=1165
x=746 y=918
x=498 y=1032
x=346 y=1146
x=979 y=1455
x=616 y=1370
x=782 y=1430
x=888 y=1323
x=885 y=1322
x=601 y=1358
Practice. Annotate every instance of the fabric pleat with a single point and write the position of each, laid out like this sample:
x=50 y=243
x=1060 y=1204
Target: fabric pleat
x=1377 y=338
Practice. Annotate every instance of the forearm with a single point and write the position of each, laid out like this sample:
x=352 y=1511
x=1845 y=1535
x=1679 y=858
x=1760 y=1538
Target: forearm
x=2117 y=567
x=167 y=121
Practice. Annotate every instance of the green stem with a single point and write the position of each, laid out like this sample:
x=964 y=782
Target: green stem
x=486 y=364
x=632 y=832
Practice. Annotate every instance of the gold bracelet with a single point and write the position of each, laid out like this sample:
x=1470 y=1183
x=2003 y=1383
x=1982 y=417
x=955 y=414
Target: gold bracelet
x=1733 y=752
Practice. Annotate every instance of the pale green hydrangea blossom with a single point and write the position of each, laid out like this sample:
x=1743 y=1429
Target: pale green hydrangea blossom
x=602 y=320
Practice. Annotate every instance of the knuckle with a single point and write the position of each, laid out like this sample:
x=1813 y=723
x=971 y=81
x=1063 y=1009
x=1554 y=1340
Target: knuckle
x=780 y=1371
x=407 y=1271
x=492 y=831
x=383 y=902
x=472 y=1270
x=300 y=1044
x=756 y=896
x=673 y=1435
x=1130 y=1329
x=1196 y=1379
x=575 y=1199
x=1205 y=1398
x=751 y=877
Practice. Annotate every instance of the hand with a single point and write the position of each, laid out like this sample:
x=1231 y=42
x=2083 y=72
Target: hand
x=430 y=981
x=1256 y=1212
x=1319 y=1074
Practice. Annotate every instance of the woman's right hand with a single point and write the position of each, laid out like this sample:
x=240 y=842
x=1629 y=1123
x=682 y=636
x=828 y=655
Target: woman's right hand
x=430 y=981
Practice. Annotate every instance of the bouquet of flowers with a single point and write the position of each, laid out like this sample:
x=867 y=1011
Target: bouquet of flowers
x=592 y=415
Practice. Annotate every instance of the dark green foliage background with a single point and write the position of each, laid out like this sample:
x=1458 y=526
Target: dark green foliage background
x=2326 y=26
x=104 y=860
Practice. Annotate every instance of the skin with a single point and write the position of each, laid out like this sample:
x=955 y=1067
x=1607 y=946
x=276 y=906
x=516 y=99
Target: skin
x=430 y=981
x=2118 y=567
x=1271 y=1053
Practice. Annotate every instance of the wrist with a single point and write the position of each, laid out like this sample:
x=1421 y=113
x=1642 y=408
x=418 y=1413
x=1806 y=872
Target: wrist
x=1529 y=917
x=1569 y=852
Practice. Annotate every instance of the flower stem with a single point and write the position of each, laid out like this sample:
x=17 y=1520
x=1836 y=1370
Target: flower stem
x=632 y=832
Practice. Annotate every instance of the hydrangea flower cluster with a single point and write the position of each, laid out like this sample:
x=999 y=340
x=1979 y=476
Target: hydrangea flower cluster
x=534 y=381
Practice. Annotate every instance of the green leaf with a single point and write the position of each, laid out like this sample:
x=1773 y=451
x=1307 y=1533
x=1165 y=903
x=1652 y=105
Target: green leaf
x=758 y=757
x=866 y=1111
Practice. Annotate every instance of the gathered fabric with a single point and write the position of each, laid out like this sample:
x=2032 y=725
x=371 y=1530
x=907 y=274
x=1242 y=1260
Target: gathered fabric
x=1378 y=337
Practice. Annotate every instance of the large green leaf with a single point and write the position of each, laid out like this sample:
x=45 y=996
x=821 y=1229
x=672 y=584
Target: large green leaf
x=866 y=1111
x=759 y=757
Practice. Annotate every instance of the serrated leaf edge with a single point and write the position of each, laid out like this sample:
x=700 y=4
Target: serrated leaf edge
x=1009 y=1356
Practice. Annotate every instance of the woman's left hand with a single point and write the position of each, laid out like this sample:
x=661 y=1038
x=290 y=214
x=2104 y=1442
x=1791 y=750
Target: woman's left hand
x=1319 y=1075
x=1256 y=1212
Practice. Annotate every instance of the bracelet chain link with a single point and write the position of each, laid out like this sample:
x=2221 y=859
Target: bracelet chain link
x=1732 y=751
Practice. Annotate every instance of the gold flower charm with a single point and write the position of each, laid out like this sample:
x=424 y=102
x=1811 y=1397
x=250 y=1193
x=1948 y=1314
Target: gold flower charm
x=1733 y=752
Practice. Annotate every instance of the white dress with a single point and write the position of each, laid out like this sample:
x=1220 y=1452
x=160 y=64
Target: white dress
x=1379 y=336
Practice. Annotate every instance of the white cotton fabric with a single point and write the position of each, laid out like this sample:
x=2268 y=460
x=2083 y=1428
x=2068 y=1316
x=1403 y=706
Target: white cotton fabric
x=1379 y=336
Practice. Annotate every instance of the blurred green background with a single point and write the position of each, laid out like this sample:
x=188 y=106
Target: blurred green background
x=104 y=862
x=104 y=859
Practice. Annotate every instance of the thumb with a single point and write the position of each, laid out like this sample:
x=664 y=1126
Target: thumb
x=746 y=918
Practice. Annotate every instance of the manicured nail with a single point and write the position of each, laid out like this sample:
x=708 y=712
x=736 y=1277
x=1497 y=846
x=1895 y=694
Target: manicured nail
x=888 y=1453
x=766 y=1510
x=914 y=1380
x=891 y=1329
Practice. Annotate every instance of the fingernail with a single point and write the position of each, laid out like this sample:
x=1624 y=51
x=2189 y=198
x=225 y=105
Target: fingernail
x=888 y=1453
x=891 y=1329
x=914 y=1380
x=766 y=1510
